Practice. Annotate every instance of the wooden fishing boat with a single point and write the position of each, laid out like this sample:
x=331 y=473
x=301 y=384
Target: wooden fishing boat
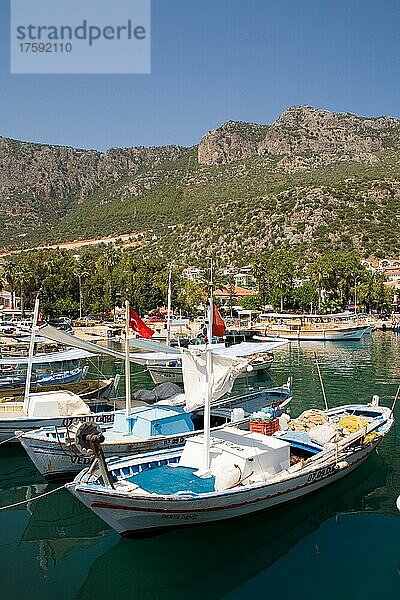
x=47 y=370
x=87 y=389
x=168 y=366
x=249 y=472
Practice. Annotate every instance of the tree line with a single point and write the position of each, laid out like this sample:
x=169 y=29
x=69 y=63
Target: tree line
x=98 y=279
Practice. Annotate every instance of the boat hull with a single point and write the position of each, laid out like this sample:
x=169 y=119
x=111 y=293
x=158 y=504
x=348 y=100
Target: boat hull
x=60 y=379
x=317 y=335
x=9 y=425
x=161 y=373
x=131 y=515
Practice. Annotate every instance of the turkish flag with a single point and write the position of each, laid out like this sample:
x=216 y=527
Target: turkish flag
x=218 y=324
x=139 y=326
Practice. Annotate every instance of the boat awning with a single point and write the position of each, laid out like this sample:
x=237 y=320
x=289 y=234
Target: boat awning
x=248 y=348
x=344 y=315
x=243 y=349
x=52 y=357
x=67 y=339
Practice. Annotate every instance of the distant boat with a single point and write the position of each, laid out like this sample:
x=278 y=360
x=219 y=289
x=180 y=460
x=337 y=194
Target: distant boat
x=153 y=428
x=304 y=327
x=168 y=367
x=57 y=368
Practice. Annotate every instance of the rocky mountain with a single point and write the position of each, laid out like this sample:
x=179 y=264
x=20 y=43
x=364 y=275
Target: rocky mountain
x=39 y=183
x=304 y=137
x=309 y=179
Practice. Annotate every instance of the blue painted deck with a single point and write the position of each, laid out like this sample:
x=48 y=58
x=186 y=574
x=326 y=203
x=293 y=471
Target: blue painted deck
x=170 y=480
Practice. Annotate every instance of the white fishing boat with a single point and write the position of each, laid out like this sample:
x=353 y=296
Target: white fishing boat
x=229 y=473
x=333 y=327
x=145 y=429
x=249 y=472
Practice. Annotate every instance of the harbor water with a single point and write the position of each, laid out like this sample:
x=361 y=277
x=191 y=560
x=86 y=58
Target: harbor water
x=341 y=542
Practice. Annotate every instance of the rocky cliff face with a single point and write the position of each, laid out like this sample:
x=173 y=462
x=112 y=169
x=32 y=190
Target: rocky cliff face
x=35 y=178
x=303 y=131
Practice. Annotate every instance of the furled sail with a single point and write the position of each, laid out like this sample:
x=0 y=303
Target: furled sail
x=224 y=371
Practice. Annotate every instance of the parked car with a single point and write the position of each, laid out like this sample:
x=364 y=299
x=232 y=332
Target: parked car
x=6 y=329
x=85 y=322
x=63 y=323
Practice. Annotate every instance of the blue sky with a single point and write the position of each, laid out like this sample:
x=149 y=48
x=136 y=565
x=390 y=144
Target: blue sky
x=214 y=60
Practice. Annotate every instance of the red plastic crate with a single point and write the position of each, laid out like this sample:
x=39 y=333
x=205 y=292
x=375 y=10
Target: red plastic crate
x=264 y=427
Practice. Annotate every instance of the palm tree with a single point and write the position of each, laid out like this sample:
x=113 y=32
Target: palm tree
x=22 y=276
x=109 y=260
x=9 y=276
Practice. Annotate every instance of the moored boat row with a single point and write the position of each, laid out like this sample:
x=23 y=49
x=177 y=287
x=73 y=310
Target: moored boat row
x=200 y=456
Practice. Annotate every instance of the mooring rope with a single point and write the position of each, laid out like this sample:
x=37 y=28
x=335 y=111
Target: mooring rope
x=32 y=499
x=14 y=437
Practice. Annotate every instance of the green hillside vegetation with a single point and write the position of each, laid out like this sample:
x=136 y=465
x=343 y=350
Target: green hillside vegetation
x=235 y=211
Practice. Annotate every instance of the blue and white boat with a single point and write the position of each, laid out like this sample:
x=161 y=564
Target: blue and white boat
x=145 y=429
x=248 y=472
x=56 y=368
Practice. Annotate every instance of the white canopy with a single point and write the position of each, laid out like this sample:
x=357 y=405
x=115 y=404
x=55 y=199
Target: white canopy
x=224 y=371
x=343 y=315
x=154 y=358
x=52 y=357
x=248 y=348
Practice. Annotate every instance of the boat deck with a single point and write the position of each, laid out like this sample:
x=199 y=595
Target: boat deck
x=158 y=480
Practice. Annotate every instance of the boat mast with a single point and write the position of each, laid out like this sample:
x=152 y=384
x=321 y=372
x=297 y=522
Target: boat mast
x=169 y=305
x=209 y=377
x=30 y=355
x=127 y=363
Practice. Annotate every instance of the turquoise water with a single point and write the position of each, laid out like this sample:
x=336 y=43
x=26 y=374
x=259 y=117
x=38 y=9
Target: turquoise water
x=342 y=542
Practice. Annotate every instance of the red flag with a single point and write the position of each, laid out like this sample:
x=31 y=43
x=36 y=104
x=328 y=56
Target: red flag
x=218 y=325
x=139 y=326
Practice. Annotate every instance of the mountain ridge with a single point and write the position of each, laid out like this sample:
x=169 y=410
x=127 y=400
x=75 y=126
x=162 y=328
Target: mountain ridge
x=308 y=179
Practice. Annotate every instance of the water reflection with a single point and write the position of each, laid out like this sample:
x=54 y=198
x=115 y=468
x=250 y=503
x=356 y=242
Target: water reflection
x=210 y=561
x=59 y=525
